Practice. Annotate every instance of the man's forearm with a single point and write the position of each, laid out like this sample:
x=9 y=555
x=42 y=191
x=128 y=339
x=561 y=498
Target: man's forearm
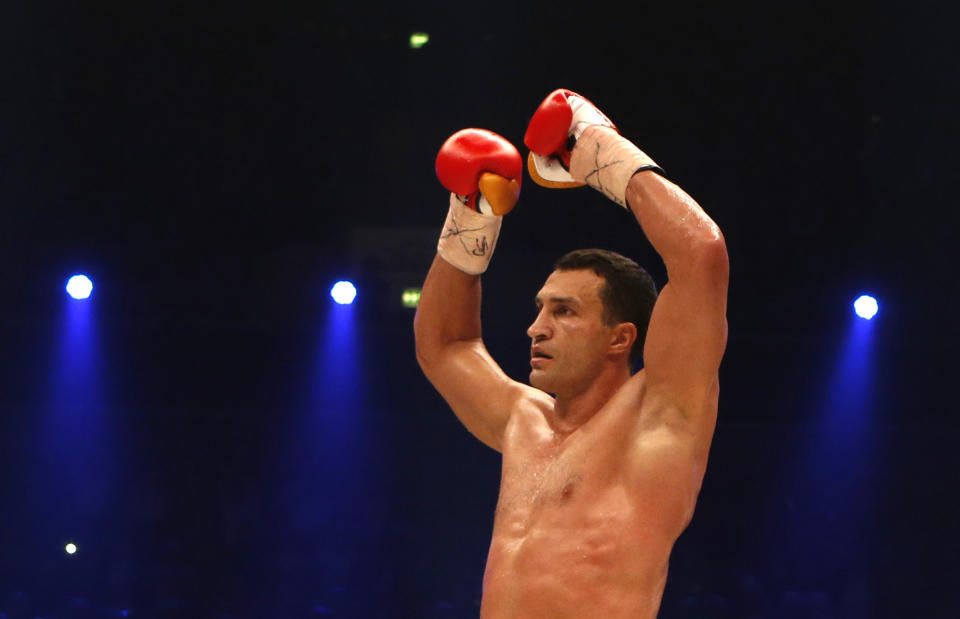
x=449 y=308
x=684 y=236
x=681 y=232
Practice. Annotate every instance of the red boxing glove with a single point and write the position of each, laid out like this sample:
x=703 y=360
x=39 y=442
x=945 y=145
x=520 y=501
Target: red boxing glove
x=552 y=134
x=483 y=168
x=562 y=156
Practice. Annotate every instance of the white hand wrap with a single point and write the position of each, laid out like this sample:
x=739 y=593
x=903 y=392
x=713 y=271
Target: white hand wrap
x=607 y=161
x=468 y=238
x=585 y=115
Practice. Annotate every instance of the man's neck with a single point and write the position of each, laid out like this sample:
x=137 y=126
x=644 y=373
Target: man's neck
x=570 y=412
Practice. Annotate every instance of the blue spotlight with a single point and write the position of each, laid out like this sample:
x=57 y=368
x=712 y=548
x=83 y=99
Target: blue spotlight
x=79 y=287
x=343 y=292
x=866 y=307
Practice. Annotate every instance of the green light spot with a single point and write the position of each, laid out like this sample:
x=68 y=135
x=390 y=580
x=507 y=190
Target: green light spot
x=411 y=297
x=418 y=40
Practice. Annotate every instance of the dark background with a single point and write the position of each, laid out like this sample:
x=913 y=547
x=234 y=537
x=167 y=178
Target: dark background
x=220 y=441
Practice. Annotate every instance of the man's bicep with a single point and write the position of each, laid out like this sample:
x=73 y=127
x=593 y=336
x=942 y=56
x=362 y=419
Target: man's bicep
x=686 y=339
x=476 y=388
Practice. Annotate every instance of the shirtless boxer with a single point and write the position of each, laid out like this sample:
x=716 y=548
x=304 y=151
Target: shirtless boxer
x=601 y=466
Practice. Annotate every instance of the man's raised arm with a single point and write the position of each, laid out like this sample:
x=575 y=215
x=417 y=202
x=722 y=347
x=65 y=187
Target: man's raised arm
x=572 y=143
x=688 y=328
x=483 y=172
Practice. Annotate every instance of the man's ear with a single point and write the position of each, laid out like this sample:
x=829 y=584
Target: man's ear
x=622 y=337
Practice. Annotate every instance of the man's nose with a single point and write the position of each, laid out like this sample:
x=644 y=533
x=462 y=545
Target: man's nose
x=538 y=329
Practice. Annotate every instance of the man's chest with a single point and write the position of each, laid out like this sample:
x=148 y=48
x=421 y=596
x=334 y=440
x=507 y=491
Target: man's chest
x=607 y=472
x=542 y=475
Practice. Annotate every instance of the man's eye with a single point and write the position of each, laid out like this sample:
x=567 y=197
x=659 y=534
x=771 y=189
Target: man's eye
x=562 y=310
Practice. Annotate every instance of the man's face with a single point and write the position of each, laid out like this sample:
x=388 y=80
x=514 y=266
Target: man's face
x=569 y=339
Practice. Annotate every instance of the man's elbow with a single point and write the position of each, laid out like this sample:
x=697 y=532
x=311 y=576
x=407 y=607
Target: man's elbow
x=426 y=355
x=706 y=257
x=712 y=253
x=430 y=342
x=424 y=345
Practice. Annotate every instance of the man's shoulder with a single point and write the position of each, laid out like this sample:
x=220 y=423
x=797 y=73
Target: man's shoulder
x=669 y=444
x=659 y=409
x=528 y=417
x=532 y=403
x=654 y=426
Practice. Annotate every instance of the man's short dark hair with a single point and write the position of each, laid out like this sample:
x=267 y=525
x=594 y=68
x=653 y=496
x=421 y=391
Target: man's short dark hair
x=628 y=292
